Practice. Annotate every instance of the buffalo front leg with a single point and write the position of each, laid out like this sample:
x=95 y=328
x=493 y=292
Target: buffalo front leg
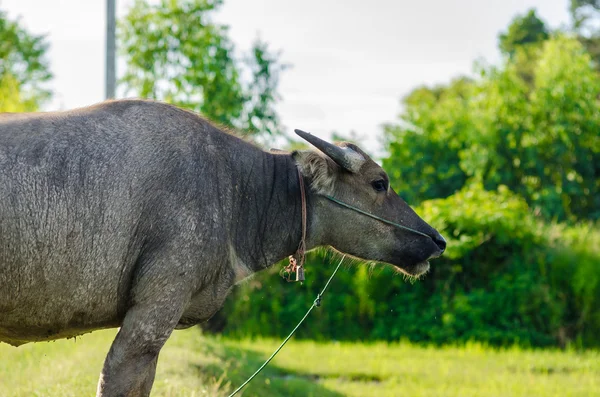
x=131 y=362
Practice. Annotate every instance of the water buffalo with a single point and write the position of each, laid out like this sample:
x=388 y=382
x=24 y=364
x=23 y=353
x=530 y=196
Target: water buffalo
x=140 y=215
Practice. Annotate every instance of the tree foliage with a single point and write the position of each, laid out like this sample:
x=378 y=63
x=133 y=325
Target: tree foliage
x=430 y=133
x=540 y=137
x=585 y=16
x=10 y=96
x=24 y=67
x=583 y=12
x=175 y=52
x=524 y=30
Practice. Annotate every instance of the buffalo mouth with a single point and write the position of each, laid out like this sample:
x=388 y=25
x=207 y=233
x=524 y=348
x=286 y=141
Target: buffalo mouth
x=413 y=260
x=413 y=264
x=416 y=270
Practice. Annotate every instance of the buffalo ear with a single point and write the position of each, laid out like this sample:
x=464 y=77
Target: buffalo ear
x=278 y=151
x=317 y=168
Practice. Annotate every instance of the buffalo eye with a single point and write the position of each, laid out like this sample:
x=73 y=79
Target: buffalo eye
x=380 y=185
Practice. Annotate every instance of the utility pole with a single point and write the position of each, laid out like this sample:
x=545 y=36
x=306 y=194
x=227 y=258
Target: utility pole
x=110 y=49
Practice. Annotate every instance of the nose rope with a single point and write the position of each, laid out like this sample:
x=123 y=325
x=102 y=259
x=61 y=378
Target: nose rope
x=374 y=216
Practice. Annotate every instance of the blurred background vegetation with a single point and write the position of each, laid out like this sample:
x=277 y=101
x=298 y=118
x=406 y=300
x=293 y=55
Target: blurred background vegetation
x=505 y=164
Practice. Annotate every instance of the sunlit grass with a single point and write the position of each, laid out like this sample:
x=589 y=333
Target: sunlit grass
x=195 y=365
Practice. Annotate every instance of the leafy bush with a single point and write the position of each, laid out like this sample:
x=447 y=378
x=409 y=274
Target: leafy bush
x=506 y=279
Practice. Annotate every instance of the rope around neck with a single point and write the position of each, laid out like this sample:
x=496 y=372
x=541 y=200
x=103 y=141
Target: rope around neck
x=316 y=303
x=374 y=216
x=302 y=246
x=296 y=260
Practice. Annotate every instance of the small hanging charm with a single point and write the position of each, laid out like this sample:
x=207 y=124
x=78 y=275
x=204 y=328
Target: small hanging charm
x=299 y=273
x=292 y=267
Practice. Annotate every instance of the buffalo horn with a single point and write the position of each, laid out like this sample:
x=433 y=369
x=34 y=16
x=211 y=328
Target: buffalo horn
x=345 y=158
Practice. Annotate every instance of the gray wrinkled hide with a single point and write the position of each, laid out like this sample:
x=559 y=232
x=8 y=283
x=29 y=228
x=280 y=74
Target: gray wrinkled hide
x=136 y=215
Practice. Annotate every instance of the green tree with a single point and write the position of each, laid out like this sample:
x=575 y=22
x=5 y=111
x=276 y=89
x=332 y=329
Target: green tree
x=585 y=15
x=539 y=137
x=261 y=93
x=176 y=53
x=24 y=68
x=523 y=31
x=583 y=12
x=541 y=141
x=424 y=147
x=10 y=96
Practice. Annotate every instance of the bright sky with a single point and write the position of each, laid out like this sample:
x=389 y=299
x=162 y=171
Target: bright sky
x=352 y=60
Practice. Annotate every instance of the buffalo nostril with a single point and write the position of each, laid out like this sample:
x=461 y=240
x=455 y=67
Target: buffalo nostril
x=440 y=241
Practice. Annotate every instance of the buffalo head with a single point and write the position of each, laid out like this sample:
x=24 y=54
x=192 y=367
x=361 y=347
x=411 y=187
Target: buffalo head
x=346 y=173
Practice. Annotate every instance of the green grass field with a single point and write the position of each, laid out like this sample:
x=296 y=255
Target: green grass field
x=195 y=365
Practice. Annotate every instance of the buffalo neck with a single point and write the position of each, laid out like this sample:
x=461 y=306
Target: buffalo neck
x=268 y=224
